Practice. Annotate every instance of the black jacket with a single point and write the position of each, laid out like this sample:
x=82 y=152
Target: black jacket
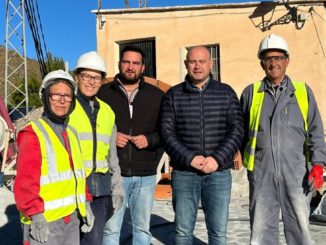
x=146 y=111
x=207 y=123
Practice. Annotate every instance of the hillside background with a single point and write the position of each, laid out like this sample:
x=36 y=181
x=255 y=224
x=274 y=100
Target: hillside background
x=32 y=69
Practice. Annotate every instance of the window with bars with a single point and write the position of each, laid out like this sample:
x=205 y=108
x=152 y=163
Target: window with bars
x=214 y=50
x=148 y=47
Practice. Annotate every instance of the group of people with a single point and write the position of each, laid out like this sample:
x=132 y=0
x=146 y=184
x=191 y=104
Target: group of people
x=95 y=150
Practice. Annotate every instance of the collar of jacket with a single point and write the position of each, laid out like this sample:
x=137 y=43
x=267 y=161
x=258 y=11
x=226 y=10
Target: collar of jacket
x=85 y=103
x=288 y=84
x=188 y=85
x=115 y=83
x=54 y=124
x=57 y=128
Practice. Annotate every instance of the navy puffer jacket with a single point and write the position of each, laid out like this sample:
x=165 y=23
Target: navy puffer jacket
x=207 y=123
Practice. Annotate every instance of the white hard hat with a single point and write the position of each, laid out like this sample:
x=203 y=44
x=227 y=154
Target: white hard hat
x=91 y=60
x=54 y=75
x=273 y=42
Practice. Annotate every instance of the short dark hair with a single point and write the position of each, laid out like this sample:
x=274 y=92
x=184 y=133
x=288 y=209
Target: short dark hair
x=133 y=48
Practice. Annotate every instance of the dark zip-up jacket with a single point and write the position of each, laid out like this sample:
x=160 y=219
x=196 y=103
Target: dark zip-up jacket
x=146 y=109
x=207 y=123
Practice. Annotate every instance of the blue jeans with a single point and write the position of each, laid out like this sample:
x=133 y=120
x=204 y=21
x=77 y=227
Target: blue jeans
x=214 y=190
x=139 y=196
x=100 y=208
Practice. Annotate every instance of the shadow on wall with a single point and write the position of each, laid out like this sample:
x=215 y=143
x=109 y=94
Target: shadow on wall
x=11 y=232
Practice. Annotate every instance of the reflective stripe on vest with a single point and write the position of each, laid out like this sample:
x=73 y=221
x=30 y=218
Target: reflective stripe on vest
x=71 y=200
x=104 y=125
x=61 y=188
x=100 y=137
x=255 y=112
x=99 y=164
x=54 y=177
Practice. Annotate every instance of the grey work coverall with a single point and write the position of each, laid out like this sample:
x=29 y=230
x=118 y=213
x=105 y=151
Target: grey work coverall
x=279 y=179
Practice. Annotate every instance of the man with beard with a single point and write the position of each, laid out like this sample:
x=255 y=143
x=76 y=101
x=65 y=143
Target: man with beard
x=136 y=105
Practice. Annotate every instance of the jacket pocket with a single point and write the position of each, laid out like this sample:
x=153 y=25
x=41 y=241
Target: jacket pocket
x=293 y=116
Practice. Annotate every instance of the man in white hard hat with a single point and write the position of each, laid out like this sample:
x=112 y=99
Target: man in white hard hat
x=50 y=189
x=283 y=149
x=94 y=121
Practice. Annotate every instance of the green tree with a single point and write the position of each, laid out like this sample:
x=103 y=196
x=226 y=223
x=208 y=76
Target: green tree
x=33 y=85
x=33 y=92
x=54 y=63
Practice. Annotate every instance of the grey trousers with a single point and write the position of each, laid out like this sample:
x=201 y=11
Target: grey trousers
x=59 y=232
x=270 y=195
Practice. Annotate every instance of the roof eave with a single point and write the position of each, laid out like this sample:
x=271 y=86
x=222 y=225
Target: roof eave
x=199 y=7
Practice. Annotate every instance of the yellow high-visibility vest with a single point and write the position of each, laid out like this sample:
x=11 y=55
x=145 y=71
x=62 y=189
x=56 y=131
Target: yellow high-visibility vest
x=255 y=112
x=61 y=188
x=104 y=125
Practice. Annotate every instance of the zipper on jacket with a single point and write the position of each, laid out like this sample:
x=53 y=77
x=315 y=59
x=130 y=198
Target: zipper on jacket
x=130 y=109
x=202 y=130
x=129 y=152
x=93 y=123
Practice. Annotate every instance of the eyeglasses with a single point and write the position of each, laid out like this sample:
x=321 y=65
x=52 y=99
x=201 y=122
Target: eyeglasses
x=58 y=97
x=270 y=59
x=87 y=78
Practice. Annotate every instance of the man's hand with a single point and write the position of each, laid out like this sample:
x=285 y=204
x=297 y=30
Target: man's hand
x=316 y=178
x=122 y=139
x=117 y=202
x=198 y=162
x=140 y=141
x=210 y=165
x=39 y=228
x=89 y=220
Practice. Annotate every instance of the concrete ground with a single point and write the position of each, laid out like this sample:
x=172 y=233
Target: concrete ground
x=10 y=229
x=161 y=223
x=238 y=226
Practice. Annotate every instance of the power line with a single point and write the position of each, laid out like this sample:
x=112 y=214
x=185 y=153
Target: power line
x=41 y=28
x=320 y=42
x=34 y=21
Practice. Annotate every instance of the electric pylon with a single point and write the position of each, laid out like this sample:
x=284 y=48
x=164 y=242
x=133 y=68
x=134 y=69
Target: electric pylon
x=15 y=60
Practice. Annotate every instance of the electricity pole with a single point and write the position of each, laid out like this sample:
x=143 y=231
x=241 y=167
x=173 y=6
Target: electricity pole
x=15 y=58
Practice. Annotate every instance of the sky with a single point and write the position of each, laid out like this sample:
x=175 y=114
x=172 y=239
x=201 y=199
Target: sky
x=69 y=27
